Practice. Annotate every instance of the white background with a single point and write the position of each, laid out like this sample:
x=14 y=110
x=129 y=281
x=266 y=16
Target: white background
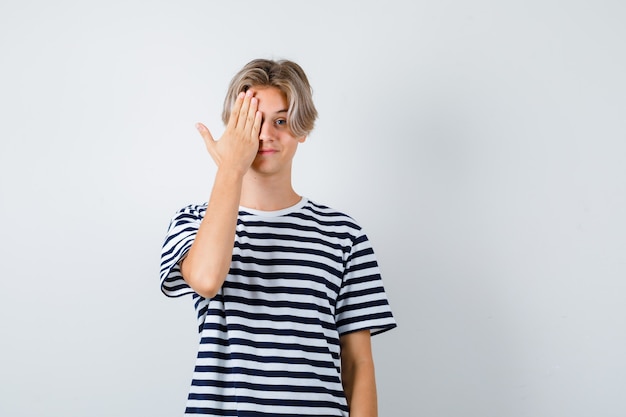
x=482 y=145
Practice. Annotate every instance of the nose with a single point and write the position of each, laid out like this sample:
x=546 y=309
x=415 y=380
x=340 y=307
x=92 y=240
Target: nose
x=268 y=131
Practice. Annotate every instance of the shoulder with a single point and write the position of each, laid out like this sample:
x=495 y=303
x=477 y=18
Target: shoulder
x=190 y=212
x=330 y=216
x=186 y=218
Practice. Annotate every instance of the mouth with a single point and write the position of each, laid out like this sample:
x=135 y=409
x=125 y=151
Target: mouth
x=266 y=151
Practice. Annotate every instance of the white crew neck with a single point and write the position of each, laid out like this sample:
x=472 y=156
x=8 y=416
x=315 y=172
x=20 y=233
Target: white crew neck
x=276 y=213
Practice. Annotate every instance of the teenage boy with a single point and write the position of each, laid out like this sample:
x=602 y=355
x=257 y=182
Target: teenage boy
x=287 y=291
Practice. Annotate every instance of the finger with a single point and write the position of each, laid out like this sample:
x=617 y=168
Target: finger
x=256 y=126
x=234 y=112
x=243 y=111
x=251 y=116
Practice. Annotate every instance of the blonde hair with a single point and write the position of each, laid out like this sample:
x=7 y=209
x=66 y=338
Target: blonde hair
x=289 y=78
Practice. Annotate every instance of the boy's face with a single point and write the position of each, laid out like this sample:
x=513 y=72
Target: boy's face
x=277 y=145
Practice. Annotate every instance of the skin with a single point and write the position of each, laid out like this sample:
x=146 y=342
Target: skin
x=254 y=159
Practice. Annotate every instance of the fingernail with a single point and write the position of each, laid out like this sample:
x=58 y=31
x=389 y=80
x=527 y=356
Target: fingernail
x=249 y=93
x=242 y=95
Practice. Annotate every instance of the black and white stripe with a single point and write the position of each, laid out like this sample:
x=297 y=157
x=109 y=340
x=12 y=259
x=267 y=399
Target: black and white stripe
x=269 y=340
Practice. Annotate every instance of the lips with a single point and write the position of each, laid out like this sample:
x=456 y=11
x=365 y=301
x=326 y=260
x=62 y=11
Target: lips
x=267 y=151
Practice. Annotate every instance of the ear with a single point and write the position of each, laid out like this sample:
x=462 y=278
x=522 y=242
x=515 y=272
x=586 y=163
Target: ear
x=301 y=139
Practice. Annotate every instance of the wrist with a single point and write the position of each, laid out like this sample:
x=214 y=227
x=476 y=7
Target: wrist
x=231 y=172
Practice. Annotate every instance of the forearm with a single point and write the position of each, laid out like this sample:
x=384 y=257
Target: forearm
x=208 y=261
x=360 y=388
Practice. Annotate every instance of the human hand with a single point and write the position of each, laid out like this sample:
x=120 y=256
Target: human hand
x=239 y=144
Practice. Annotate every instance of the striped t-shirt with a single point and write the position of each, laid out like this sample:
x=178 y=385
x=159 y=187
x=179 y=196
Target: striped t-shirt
x=269 y=340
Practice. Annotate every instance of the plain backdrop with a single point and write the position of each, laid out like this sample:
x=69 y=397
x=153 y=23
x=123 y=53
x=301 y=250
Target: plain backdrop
x=481 y=144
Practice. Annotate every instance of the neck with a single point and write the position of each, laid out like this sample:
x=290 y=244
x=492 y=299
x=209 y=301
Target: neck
x=267 y=193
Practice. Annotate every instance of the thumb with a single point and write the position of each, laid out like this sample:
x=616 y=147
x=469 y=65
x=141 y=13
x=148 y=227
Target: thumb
x=209 y=141
x=206 y=135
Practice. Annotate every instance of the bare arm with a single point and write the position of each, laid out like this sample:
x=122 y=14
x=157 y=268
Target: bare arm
x=207 y=263
x=357 y=373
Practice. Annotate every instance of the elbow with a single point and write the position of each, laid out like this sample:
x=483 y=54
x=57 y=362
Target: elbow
x=205 y=278
x=206 y=284
x=206 y=290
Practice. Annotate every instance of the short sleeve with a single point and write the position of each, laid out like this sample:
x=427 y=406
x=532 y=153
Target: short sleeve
x=180 y=235
x=362 y=302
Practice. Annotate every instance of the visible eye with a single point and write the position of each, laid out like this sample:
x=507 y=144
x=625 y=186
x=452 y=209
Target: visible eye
x=281 y=122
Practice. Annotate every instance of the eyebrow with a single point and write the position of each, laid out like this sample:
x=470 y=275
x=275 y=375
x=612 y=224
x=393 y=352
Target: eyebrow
x=277 y=113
